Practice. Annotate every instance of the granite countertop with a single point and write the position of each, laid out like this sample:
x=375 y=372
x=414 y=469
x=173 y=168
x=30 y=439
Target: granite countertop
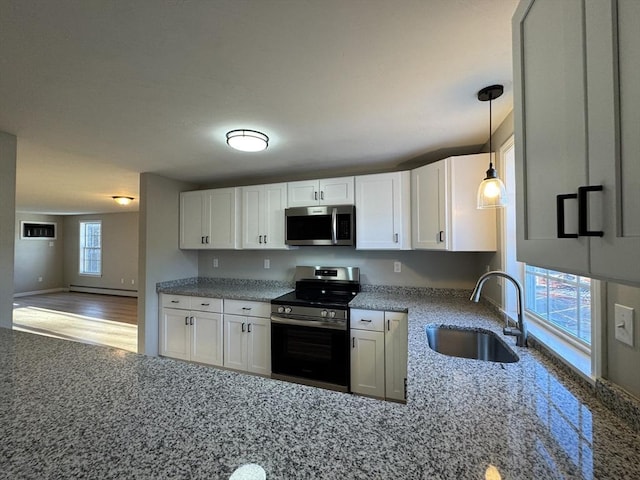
x=234 y=289
x=71 y=410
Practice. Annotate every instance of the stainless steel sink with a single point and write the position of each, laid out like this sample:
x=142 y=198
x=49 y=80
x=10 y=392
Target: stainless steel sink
x=469 y=343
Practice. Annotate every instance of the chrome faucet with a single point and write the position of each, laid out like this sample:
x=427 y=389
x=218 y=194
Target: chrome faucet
x=521 y=332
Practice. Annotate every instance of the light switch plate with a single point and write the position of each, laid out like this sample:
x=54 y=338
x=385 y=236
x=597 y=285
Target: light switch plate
x=623 y=319
x=267 y=263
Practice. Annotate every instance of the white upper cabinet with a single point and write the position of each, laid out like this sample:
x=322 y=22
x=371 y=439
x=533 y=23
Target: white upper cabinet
x=263 y=216
x=444 y=215
x=328 y=191
x=383 y=213
x=576 y=116
x=210 y=219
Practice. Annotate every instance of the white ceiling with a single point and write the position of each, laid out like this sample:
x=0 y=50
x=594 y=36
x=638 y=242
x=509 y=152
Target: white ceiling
x=98 y=91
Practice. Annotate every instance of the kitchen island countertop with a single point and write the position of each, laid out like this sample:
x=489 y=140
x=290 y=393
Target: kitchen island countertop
x=72 y=410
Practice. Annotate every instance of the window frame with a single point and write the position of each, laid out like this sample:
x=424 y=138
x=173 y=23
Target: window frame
x=553 y=326
x=82 y=248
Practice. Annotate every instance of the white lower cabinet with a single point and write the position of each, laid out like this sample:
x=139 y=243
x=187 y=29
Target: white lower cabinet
x=190 y=334
x=379 y=353
x=247 y=336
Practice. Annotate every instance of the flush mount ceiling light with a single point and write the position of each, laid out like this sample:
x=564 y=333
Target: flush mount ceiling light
x=247 y=140
x=492 y=192
x=122 y=200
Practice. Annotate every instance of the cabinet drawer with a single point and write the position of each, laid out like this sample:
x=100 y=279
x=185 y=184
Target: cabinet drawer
x=204 y=304
x=367 y=320
x=176 y=301
x=248 y=308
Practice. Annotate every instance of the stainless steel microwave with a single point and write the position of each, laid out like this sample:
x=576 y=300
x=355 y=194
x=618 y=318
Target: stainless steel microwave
x=320 y=225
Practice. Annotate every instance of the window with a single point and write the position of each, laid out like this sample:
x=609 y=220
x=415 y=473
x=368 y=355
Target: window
x=561 y=299
x=91 y=248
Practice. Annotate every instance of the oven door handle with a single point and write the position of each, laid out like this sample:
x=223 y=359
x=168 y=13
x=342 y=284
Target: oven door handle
x=307 y=323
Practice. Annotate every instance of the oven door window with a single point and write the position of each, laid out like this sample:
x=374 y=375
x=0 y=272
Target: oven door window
x=311 y=353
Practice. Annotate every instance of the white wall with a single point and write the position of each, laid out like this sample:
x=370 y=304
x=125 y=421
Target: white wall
x=39 y=258
x=119 y=251
x=8 y=144
x=419 y=268
x=159 y=258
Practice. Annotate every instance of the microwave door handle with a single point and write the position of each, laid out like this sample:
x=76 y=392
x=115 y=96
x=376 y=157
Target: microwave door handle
x=334 y=226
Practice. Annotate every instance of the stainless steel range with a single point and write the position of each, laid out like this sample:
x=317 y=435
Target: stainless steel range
x=310 y=327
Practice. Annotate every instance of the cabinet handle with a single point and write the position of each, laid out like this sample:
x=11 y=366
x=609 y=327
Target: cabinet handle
x=249 y=328
x=186 y=321
x=259 y=238
x=583 y=211
x=322 y=195
x=389 y=325
x=246 y=308
x=560 y=215
x=353 y=342
x=202 y=239
x=190 y=320
x=315 y=195
x=243 y=324
x=205 y=304
x=265 y=239
x=395 y=235
x=206 y=239
x=405 y=388
x=175 y=301
x=366 y=320
x=441 y=236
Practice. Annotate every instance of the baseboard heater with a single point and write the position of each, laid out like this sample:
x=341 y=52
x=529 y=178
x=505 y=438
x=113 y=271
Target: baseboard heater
x=104 y=291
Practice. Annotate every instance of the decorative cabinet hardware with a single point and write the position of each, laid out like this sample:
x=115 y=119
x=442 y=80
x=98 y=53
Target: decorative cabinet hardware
x=583 y=211
x=561 y=216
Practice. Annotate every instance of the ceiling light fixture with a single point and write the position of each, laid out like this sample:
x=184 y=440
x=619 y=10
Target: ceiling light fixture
x=492 y=192
x=247 y=140
x=122 y=200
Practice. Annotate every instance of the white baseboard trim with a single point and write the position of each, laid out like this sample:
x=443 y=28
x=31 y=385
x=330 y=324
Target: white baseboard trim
x=103 y=291
x=39 y=292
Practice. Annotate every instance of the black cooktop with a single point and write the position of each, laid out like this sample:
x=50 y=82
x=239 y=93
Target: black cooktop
x=316 y=298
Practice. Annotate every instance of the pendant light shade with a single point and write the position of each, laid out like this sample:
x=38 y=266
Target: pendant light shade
x=492 y=192
x=247 y=140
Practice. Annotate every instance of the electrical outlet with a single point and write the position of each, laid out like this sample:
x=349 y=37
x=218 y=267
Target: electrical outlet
x=133 y=282
x=623 y=320
x=397 y=267
x=122 y=280
x=51 y=244
x=267 y=263
x=215 y=263
x=39 y=279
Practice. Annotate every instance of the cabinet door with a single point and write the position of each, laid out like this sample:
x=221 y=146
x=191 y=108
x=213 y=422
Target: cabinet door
x=224 y=218
x=613 y=82
x=259 y=345
x=382 y=204
x=428 y=206
x=206 y=338
x=303 y=193
x=174 y=333
x=275 y=201
x=336 y=191
x=251 y=216
x=367 y=362
x=550 y=134
x=235 y=342
x=192 y=220
x=395 y=352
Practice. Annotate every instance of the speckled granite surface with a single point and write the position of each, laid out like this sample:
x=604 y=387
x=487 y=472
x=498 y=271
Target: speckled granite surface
x=70 y=410
x=235 y=289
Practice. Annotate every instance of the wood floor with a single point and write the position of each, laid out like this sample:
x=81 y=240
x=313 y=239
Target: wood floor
x=104 y=307
x=81 y=317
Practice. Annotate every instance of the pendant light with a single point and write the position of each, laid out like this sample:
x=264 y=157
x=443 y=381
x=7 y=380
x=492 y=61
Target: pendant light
x=492 y=192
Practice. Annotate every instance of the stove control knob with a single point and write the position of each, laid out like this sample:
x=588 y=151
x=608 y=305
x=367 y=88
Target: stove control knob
x=323 y=313
x=332 y=314
x=287 y=309
x=280 y=309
